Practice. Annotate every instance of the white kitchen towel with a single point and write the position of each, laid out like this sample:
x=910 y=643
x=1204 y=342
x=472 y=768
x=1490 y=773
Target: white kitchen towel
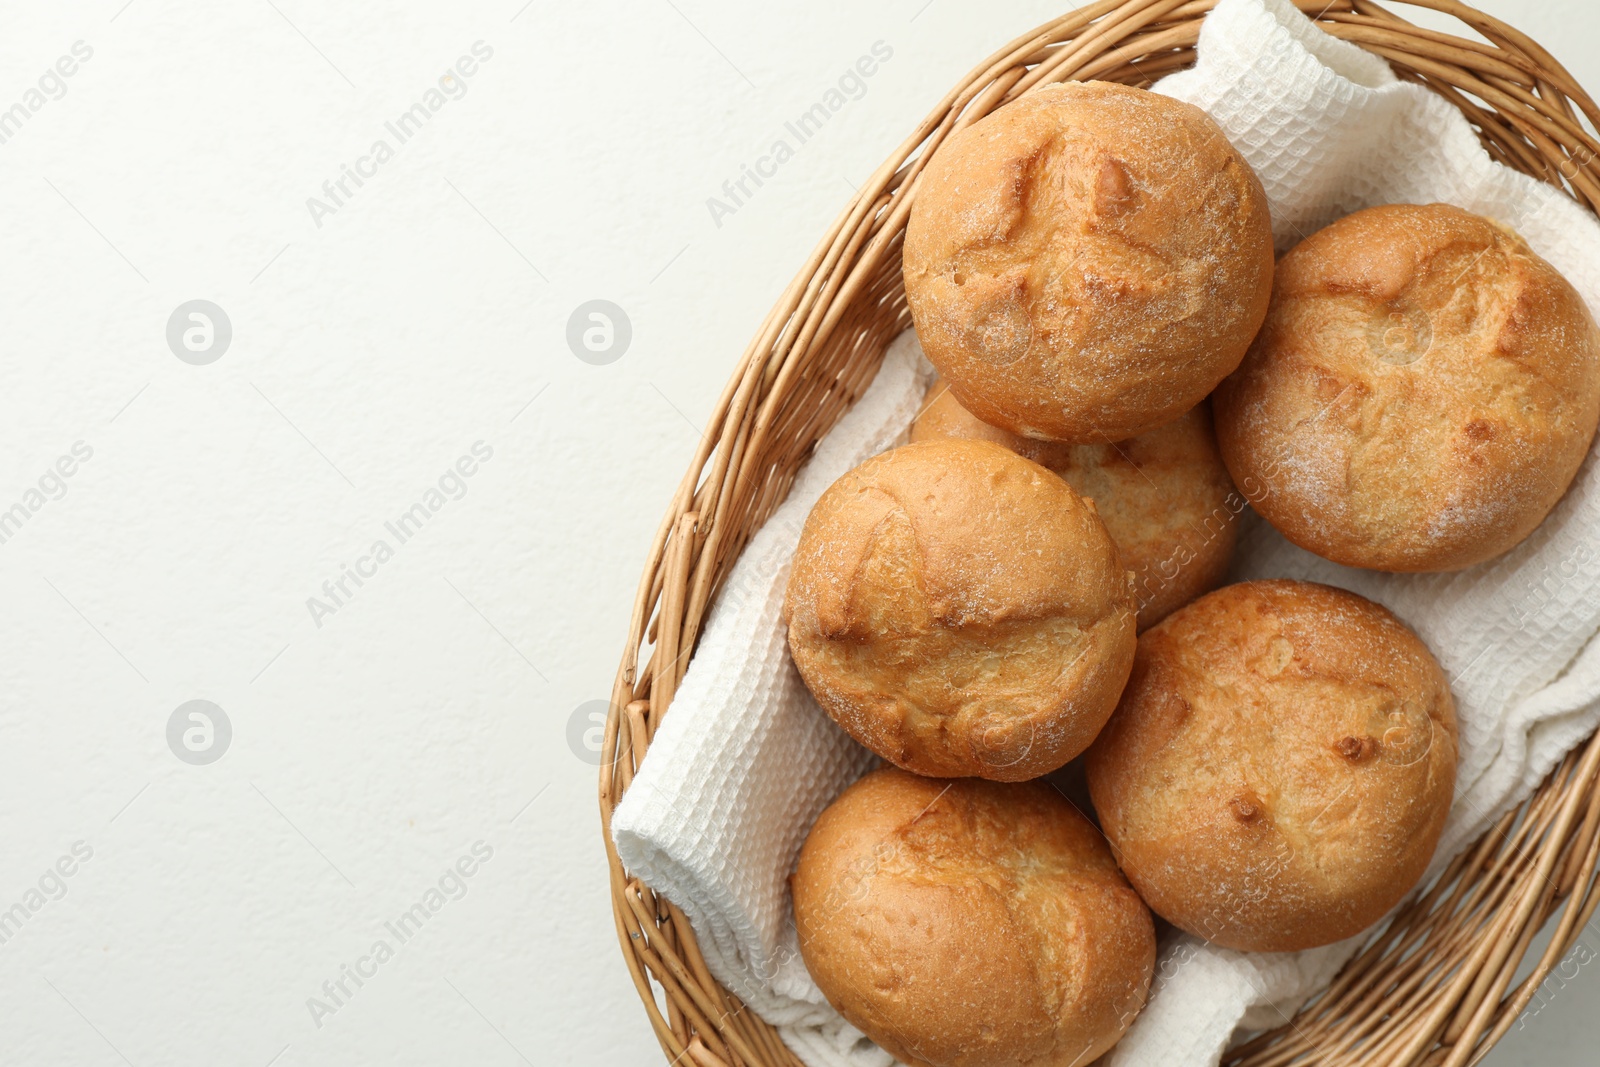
x=746 y=759
x=718 y=810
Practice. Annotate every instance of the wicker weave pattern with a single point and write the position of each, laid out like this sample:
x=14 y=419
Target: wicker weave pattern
x=1436 y=987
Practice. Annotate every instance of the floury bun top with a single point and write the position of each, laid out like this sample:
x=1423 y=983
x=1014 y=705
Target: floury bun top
x=1088 y=262
x=960 y=610
x=1423 y=392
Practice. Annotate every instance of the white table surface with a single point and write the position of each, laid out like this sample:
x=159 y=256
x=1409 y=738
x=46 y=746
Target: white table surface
x=379 y=739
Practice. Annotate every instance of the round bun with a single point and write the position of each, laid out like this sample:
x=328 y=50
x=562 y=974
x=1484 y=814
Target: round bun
x=1280 y=768
x=1164 y=496
x=1088 y=262
x=961 y=611
x=971 y=923
x=1421 y=395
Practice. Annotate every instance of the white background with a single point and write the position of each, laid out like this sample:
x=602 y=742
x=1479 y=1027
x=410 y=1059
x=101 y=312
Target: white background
x=431 y=710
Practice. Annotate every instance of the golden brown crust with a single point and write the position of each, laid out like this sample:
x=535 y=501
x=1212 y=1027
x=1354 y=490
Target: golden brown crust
x=1088 y=262
x=1280 y=768
x=960 y=610
x=971 y=923
x=1164 y=496
x=1422 y=393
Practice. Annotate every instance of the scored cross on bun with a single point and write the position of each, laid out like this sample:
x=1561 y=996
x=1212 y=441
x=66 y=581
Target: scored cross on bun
x=1087 y=263
x=1422 y=393
x=965 y=923
x=960 y=610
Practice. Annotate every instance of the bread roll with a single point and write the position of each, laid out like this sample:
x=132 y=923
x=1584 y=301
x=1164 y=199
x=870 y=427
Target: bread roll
x=1087 y=263
x=971 y=923
x=961 y=611
x=1164 y=496
x=1421 y=395
x=1280 y=767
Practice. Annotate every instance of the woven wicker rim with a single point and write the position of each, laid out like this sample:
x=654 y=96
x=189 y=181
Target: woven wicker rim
x=1434 y=987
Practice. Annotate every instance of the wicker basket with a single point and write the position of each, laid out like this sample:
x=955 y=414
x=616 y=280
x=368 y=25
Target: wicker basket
x=1434 y=987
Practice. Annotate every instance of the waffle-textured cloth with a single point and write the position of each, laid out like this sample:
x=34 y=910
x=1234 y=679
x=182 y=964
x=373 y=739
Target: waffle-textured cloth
x=746 y=759
x=723 y=800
